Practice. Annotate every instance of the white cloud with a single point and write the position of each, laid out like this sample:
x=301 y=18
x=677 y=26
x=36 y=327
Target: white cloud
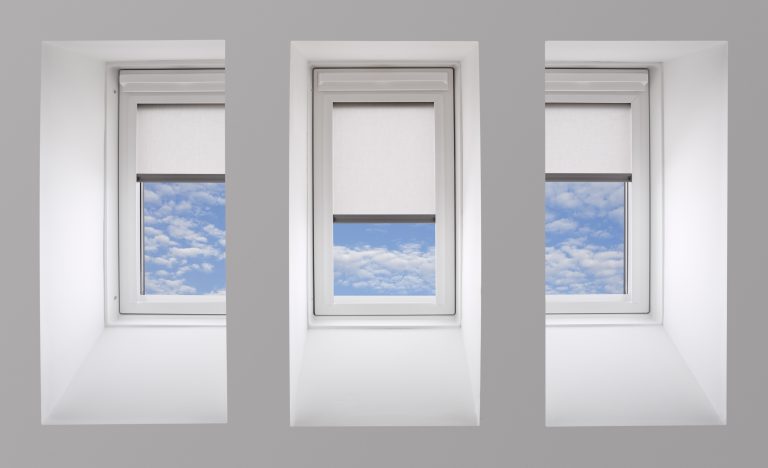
x=218 y=234
x=150 y=196
x=213 y=230
x=184 y=228
x=152 y=231
x=561 y=225
x=405 y=270
x=153 y=243
x=167 y=262
x=574 y=267
x=201 y=251
x=594 y=233
x=207 y=197
x=586 y=199
x=204 y=267
x=183 y=207
x=167 y=286
x=617 y=214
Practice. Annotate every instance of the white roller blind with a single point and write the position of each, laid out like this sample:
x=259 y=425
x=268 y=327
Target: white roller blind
x=383 y=158
x=588 y=138
x=180 y=139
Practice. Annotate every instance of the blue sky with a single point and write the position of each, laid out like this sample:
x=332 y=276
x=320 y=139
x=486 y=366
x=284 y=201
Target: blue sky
x=584 y=231
x=185 y=246
x=184 y=238
x=384 y=259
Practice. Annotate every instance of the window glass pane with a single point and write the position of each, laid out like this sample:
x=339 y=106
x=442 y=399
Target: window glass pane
x=383 y=158
x=183 y=236
x=384 y=259
x=585 y=237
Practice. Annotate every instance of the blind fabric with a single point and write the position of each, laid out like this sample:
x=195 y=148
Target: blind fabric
x=383 y=158
x=180 y=139
x=588 y=138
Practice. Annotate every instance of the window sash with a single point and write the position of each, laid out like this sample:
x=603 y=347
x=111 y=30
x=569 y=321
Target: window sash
x=383 y=86
x=138 y=87
x=628 y=86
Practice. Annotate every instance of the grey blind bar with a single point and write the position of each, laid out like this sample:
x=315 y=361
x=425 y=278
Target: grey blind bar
x=588 y=177
x=401 y=218
x=179 y=177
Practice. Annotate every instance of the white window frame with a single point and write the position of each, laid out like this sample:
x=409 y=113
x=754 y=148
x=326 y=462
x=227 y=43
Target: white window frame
x=138 y=87
x=363 y=85
x=619 y=86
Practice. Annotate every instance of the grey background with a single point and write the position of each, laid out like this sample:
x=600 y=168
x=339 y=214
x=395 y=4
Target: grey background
x=511 y=36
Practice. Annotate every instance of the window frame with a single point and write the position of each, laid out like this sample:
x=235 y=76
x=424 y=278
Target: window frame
x=569 y=84
x=155 y=86
x=371 y=85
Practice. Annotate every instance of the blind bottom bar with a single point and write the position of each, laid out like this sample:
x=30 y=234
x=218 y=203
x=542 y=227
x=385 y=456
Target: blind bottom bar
x=179 y=177
x=403 y=218
x=585 y=177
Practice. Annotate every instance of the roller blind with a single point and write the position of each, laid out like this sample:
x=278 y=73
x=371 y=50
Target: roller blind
x=588 y=138
x=383 y=158
x=180 y=139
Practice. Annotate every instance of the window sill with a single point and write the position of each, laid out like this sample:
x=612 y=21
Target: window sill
x=385 y=377
x=621 y=376
x=559 y=320
x=137 y=320
x=143 y=375
x=381 y=321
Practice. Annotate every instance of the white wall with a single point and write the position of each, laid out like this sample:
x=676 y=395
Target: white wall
x=150 y=375
x=90 y=374
x=471 y=233
x=696 y=202
x=620 y=376
x=298 y=228
x=71 y=215
x=384 y=377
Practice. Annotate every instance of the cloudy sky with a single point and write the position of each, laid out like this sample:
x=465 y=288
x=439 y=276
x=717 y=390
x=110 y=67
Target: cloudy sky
x=384 y=259
x=184 y=242
x=584 y=232
x=185 y=247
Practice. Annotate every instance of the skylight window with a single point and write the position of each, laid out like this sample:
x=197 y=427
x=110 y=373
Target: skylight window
x=171 y=200
x=597 y=224
x=384 y=229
